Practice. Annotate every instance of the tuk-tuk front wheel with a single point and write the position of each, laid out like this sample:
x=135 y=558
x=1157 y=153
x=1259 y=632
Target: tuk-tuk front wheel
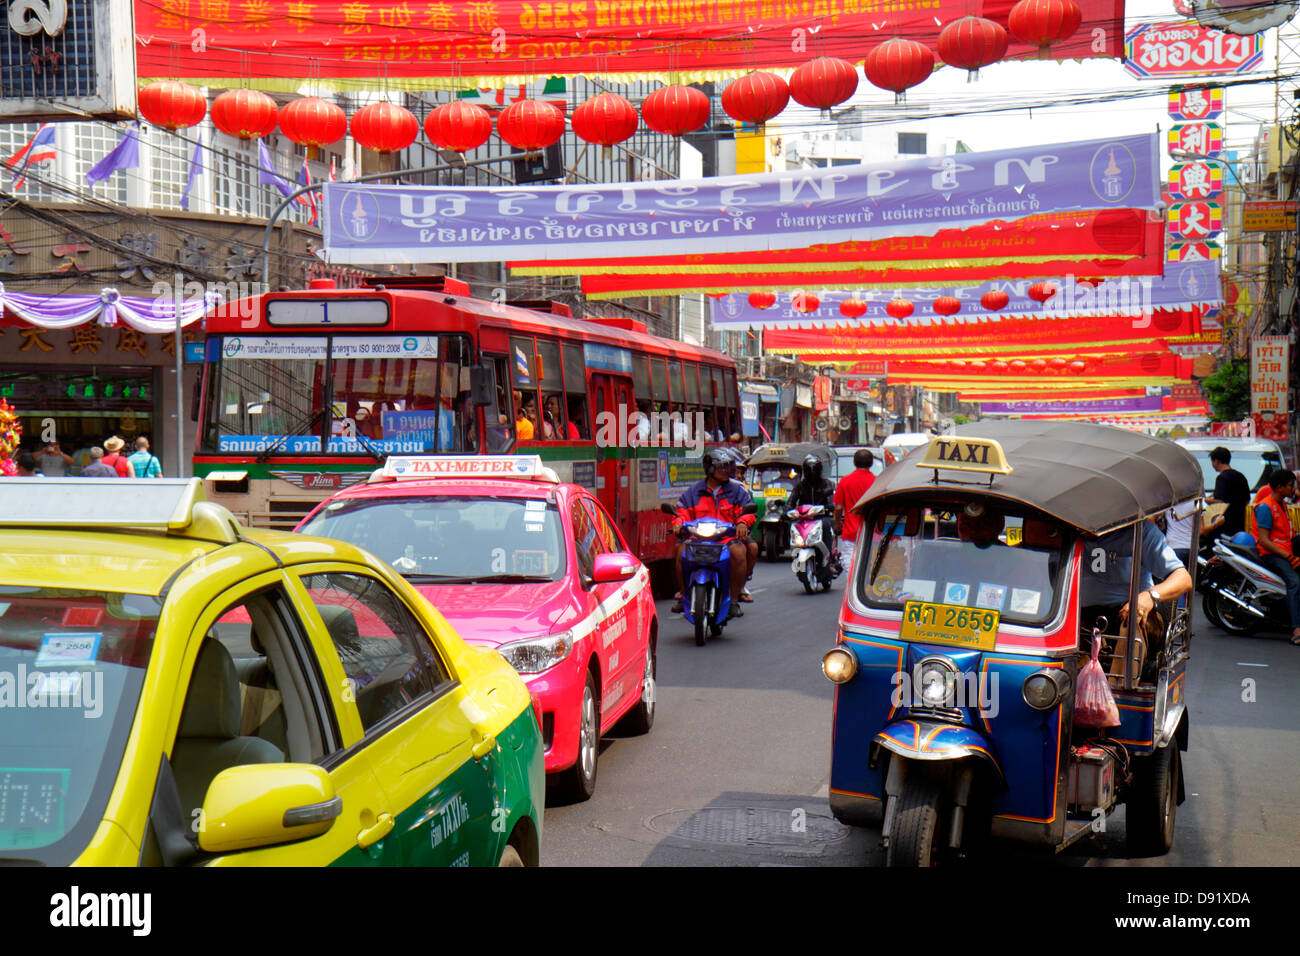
x=771 y=543
x=917 y=834
x=1152 y=804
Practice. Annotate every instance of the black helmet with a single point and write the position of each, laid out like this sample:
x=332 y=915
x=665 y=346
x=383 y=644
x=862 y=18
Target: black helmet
x=716 y=458
x=812 y=468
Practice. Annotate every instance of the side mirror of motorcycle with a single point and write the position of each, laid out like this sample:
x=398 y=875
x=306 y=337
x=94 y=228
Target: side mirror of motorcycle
x=667 y=509
x=749 y=509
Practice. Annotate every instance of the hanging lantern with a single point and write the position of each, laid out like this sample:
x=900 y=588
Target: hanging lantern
x=762 y=300
x=676 y=110
x=899 y=308
x=972 y=42
x=312 y=121
x=756 y=97
x=172 y=105
x=853 y=308
x=458 y=126
x=1041 y=23
x=1041 y=291
x=1077 y=367
x=244 y=114
x=824 y=82
x=384 y=127
x=1037 y=366
x=978 y=368
x=947 y=305
x=605 y=119
x=1056 y=364
x=998 y=367
x=898 y=65
x=994 y=301
x=530 y=125
x=805 y=302
x=1094 y=281
x=1017 y=367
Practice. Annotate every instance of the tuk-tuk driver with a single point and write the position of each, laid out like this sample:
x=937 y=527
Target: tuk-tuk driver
x=721 y=496
x=1108 y=564
x=979 y=525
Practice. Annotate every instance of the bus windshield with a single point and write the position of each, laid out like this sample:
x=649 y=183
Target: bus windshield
x=350 y=394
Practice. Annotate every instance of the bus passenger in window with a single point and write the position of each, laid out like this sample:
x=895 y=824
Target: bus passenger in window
x=552 y=418
x=577 y=418
x=640 y=422
x=523 y=420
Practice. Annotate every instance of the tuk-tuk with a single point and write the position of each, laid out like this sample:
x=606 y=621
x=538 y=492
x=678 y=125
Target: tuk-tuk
x=771 y=474
x=984 y=571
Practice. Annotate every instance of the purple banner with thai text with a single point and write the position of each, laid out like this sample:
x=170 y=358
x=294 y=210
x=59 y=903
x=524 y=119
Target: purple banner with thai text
x=1100 y=406
x=369 y=224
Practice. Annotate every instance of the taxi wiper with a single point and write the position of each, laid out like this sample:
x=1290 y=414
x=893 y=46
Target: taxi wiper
x=439 y=578
x=506 y=578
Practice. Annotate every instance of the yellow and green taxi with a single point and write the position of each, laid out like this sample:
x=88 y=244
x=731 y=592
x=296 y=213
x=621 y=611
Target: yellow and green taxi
x=176 y=689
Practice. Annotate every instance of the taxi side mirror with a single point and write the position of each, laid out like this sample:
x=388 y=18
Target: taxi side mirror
x=266 y=804
x=615 y=567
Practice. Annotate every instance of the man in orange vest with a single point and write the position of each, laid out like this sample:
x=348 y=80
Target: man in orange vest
x=1273 y=532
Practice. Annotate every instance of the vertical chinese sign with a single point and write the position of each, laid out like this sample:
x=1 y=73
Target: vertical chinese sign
x=1196 y=180
x=1269 y=365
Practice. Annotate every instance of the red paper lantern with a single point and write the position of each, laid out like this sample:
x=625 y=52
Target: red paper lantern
x=994 y=301
x=853 y=308
x=1077 y=367
x=805 y=302
x=1057 y=364
x=972 y=42
x=171 y=105
x=824 y=82
x=898 y=65
x=1041 y=291
x=998 y=367
x=762 y=300
x=978 y=368
x=458 y=126
x=1094 y=282
x=676 y=110
x=312 y=121
x=947 y=305
x=1041 y=23
x=755 y=97
x=1037 y=366
x=606 y=119
x=530 y=125
x=244 y=114
x=384 y=127
x=1017 y=367
x=899 y=308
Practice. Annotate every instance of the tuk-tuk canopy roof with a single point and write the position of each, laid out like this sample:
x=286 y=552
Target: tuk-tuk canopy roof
x=792 y=453
x=1094 y=477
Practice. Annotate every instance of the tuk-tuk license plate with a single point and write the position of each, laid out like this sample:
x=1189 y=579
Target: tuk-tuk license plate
x=776 y=493
x=971 y=627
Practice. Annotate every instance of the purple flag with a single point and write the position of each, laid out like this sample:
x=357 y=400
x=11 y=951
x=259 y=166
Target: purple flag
x=267 y=175
x=196 y=169
x=125 y=155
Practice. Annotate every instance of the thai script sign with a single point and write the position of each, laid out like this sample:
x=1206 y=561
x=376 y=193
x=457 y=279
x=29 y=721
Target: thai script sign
x=1269 y=369
x=1268 y=216
x=367 y=224
x=1188 y=49
x=1090 y=407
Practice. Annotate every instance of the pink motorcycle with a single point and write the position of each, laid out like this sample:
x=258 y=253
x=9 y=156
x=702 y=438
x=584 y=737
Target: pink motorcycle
x=813 y=563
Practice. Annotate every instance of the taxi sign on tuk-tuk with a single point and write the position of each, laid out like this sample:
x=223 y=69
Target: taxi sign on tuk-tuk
x=966 y=454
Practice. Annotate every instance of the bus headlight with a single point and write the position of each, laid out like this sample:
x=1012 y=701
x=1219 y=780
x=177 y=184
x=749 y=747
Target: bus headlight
x=839 y=665
x=1044 y=689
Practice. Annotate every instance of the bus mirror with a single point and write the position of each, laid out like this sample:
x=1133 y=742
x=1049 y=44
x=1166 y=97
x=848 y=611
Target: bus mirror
x=483 y=386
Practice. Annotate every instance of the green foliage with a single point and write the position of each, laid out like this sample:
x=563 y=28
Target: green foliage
x=960 y=419
x=1228 y=390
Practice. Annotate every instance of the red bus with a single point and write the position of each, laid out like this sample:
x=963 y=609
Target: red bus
x=306 y=392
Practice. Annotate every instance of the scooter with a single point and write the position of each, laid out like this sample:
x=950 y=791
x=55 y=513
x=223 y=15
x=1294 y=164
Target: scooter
x=1241 y=594
x=706 y=574
x=812 y=563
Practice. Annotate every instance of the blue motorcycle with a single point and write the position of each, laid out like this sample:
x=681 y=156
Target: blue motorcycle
x=706 y=574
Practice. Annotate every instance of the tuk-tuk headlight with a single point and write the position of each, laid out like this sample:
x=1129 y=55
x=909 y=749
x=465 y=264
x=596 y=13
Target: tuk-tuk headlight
x=938 y=677
x=1044 y=689
x=839 y=665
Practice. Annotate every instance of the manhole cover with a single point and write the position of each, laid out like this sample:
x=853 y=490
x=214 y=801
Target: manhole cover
x=759 y=827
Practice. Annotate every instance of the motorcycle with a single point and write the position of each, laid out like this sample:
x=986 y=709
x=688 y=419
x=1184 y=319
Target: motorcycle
x=1241 y=595
x=812 y=564
x=771 y=474
x=706 y=573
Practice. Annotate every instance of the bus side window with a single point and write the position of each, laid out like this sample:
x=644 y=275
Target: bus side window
x=501 y=433
x=575 y=390
x=550 y=419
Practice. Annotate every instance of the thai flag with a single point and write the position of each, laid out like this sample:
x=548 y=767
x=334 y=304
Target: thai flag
x=308 y=198
x=332 y=177
x=37 y=150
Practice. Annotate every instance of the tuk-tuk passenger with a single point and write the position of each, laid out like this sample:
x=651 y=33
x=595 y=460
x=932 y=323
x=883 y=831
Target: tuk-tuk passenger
x=1107 y=565
x=1276 y=550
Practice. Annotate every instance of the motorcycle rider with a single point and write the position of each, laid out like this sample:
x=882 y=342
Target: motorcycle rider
x=1273 y=526
x=720 y=496
x=813 y=489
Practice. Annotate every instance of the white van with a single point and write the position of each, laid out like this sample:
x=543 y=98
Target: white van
x=897 y=446
x=1253 y=457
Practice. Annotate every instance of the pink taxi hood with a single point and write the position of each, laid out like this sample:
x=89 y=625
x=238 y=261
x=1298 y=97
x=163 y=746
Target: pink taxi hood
x=499 y=613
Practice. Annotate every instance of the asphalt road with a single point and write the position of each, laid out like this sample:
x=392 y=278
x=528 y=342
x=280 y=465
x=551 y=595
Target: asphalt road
x=735 y=770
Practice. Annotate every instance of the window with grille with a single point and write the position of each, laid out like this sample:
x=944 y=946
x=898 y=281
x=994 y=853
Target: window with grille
x=94 y=141
x=236 y=190
x=170 y=166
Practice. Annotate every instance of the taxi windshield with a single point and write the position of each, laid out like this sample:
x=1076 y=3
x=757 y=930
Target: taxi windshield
x=72 y=663
x=445 y=539
x=964 y=554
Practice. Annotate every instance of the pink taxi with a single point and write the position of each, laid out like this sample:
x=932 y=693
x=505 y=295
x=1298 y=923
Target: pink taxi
x=520 y=562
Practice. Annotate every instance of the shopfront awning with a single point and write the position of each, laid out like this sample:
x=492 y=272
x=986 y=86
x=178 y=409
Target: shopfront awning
x=765 y=393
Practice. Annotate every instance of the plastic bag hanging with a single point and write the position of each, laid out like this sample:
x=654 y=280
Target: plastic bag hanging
x=1094 y=704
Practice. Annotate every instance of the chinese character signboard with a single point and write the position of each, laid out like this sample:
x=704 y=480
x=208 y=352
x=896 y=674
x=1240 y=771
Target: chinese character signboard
x=1196 y=104
x=1195 y=180
x=1201 y=140
x=1188 y=49
x=1269 y=364
x=1195 y=220
x=67 y=61
x=1268 y=216
x=1192 y=252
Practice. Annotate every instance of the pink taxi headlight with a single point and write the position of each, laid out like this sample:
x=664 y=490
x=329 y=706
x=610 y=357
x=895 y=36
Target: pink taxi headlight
x=535 y=654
